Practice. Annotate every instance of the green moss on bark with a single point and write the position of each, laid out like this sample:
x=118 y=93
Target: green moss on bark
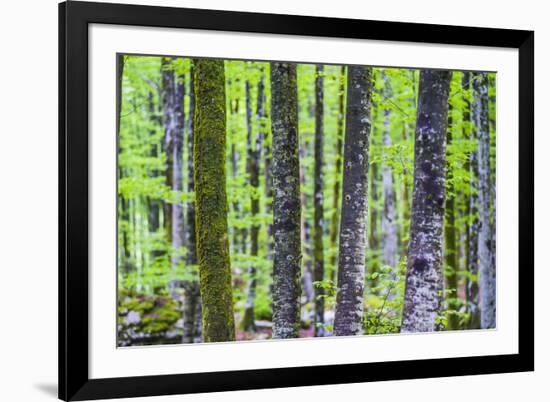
x=211 y=201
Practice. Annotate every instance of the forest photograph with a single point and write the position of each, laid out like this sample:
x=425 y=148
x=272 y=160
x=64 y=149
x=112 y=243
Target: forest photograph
x=261 y=200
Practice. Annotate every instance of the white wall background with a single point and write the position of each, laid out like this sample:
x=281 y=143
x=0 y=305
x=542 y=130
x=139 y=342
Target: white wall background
x=28 y=198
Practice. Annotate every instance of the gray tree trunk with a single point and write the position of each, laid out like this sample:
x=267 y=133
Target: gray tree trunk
x=389 y=226
x=487 y=271
x=254 y=161
x=173 y=91
x=307 y=256
x=318 y=211
x=286 y=201
x=424 y=278
x=472 y=227
x=353 y=231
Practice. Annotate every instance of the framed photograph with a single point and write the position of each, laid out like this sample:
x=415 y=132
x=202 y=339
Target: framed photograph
x=258 y=200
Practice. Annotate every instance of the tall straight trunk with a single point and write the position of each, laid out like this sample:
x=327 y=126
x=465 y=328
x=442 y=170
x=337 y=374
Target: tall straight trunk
x=334 y=222
x=153 y=204
x=451 y=253
x=472 y=226
x=192 y=301
x=405 y=204
x=173 y=89
x=388 y=220
x=123 y=202
x=254 y=160
x=234 y=108
x=353 y=227
x=173 y=98
x=173 y=121
x=318 y=211
x=286 y=201
x=127 y=263
x=307 y=260
x=211 y=201
x=424 y=278
x=120 y=75
x=487 y=271
x=374 y=240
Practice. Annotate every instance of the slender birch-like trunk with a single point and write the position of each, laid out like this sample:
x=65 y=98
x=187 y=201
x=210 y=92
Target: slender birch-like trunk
x=172 y=97
x=389 y=226
x=318 y=210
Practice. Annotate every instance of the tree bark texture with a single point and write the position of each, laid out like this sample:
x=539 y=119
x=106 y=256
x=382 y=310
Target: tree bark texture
x=335 y=222
x=211 y=201
x=191 y=312
x=353 y=227
x=286 y=201
x=472 y=228
x=424 y=281
x=254 y=174
x=487 y=270
x=389 y=226
x=318 y=210
x=451 y=252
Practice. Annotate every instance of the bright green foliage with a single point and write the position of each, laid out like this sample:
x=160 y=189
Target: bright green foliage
x=144 y=252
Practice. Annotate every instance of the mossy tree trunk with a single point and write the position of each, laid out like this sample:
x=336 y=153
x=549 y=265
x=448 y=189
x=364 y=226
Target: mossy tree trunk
x=286 y=201
x=424 y=278
x=192 y=302
x=254 y=172
x=374 y=226
x=318 y=210
x=487 y=271
x=451 y=252
x=334 y=222
x=211 y=201
x=353 y=227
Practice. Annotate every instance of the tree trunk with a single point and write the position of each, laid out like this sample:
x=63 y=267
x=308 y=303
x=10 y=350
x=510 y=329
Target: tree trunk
x=318 y=221
x=388 y=220
x=235 y=173
x=286 y=201
x=451 y=254
x=487 y=272
x=173 y=120
x=211 y=201
x=191 y=310
x=472 y=226
x=334 y=223
x=254 y=160
x=307 y=260
x=374 y=241
x=424 y=280
x=353 y=232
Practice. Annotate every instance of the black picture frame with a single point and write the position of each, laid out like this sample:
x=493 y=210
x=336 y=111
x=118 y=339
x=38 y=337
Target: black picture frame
x=74 y=18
